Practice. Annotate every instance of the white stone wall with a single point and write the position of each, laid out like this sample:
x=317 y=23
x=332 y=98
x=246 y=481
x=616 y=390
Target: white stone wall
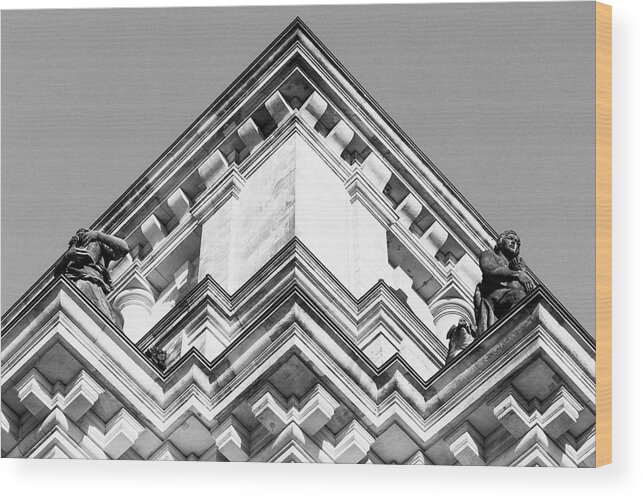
x=294 y=193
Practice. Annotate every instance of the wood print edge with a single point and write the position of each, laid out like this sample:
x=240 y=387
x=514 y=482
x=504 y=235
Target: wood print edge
x=603 y=234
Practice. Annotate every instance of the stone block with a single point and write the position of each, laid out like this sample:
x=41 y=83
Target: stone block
x=192 y=437
x=352 y=443
x=167 y=452
x=311 y=413
x=313 y=108
x=153 y=230
x=182 y=275
x=418 y=459
x=379 y=349
x=376 y=171
x=116 y=436
x=250 y=134
x=269 y=409
x=339 y=137
x=179 y=203
x=555 y=415
x=394 y=445
x=212 y=168
x=278 y=108
x=434 y=238
x=317 y=407
x=408 y=210
x=10 y=426
x=466 y=445
x=232 y=439
x=468 y=270
x=36 y=394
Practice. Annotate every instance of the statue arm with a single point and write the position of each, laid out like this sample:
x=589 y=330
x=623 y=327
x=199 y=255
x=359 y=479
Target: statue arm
x=117 y=247
x=61 y=265
x=116 y=244
x=73 y=254
x=491 y=268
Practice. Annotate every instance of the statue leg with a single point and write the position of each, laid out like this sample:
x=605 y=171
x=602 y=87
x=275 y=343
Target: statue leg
x=508 y=300
x=96 y=295
x=485 y=317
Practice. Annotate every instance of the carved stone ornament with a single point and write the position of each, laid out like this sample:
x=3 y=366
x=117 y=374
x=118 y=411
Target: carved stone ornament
x=504 y=281
x=158 y=356
x=460 y=336
x=85 y=263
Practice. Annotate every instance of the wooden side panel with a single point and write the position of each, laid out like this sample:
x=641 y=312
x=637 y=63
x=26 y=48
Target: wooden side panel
x=603 y=234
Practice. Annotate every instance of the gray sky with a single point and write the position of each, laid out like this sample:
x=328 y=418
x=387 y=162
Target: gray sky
x=499 y=96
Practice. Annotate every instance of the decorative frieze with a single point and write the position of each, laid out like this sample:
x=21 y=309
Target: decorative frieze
x=179 y=203
x=250 y=134
x=232 y=439
x=339 y=137
x=167 y=452
x=10 y=426
x=376 y=171
x=294 y=257
x=114 y=437
x=555 y=414
x=313 y=108
x=153 y=230
x=74 y=399
x=352 y=443
x=212 y=168
x=408 y=210
x=311 y=413
x=278 y=108
x=466 y=445
x=434 y=238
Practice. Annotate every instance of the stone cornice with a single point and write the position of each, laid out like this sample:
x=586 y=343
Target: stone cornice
x=448 y=393
x=299 y=47
x=296 y=270
x=369 y=369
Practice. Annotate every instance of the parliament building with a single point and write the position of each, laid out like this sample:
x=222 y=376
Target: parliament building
x=294 y=264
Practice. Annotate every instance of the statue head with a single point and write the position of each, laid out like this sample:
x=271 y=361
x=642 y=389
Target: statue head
x=508 y=243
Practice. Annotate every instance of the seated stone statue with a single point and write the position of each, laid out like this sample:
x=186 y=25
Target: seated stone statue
x=460 y=336
x=85 y=263
x=504 y=281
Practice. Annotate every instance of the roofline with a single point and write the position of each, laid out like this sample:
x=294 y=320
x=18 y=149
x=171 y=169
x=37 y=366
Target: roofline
x=296 y=28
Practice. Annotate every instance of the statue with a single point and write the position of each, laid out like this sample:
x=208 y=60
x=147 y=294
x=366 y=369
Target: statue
x=504 y=281
x=460 y=336
x=85 y=263
x=157 y=356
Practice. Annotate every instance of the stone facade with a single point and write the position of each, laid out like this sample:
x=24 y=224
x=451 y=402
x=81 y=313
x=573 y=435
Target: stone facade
x=298 y=263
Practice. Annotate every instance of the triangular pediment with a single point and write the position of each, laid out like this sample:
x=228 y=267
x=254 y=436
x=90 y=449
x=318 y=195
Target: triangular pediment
x=296 y=73
x=296 y=83
x=294 y=264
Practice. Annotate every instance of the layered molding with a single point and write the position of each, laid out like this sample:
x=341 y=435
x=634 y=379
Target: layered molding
x=424 y=411
x=291 y=365
x=296 y=50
